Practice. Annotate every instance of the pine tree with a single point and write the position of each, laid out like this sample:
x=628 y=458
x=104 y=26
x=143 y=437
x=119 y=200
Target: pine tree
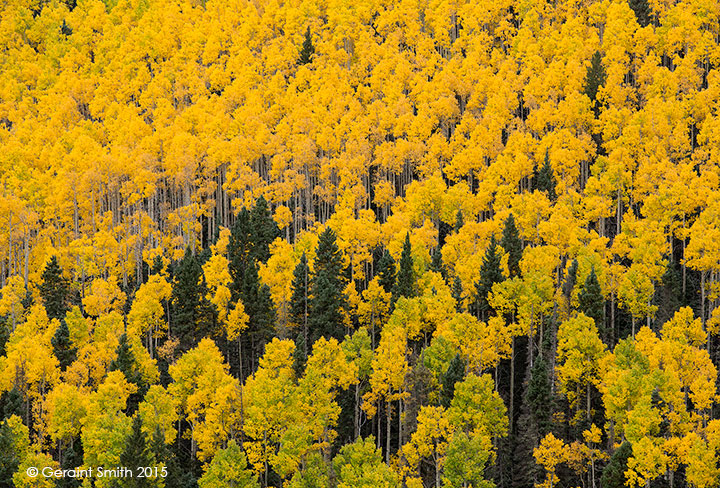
x=386 y=272
x=459 y=220
x=187 y=298
x=299 y=307
x=308 y=50
x=260 y=310
x=436 y=264
x=9 y=457
x=457 y=294
x=490 y=273
x=512 y=245
x=136 y=454
x=12 y=403
x=328 y=300
x=544 y=178
x=614 y=473
x=405 y=284
x=570 y=279
x=54 y=290
x=239 y=250
x=591 y=300
x=454 y=373
x=125 y=363
x=538 y=397
x=62 y=346
x=594 y=79
x=263 y=230
x=642 y=10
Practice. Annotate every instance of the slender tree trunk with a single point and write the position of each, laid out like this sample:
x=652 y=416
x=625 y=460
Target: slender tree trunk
x=387 y=439
x=512 y=386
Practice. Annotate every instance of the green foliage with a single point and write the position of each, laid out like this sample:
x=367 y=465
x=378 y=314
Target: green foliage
x=436 y=264
x=591 y=300
x=386 y=272
x=263 y=230
x=136 y=454
x=188 y=297
x=457 y=294
x=468 y=457
x=613 y=476
x=125 y=363
x=54 y=290
x=490 y=273
x=512 y=244
x=454 y=373
x=459 y=221
x=13 y=447
x=643 y=12
x=62 y=346
x=405 y=284
x=544 y=179
x=299 y=308
x=308 y=49
x=12 y=403
x=538 y=396
x=594 y=80
x=327 y=285
x=314 y=475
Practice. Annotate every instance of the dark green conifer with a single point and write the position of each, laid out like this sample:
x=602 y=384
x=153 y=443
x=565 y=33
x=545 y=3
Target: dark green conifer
x=239 y=250
x=570 y=279
x=643 y=12
x=613 y=475
x=386 y=272
x=490 y=273
x=594 y=79
x=454 y=373
x=187 y=298
x=62 y=346
x=263 y=230
x=327 y=301
x=12 y=403
x=308 y=50
x=136 y=454
x=459 y=221
x=591 y=300
x=9 y=457
x=259 y=307
x=54 y=290
x=125 y=363
x=436 y=263
x=405 y=284
x=457 y=294
x=300 y=307
x=512 y=245
x=539 y=397
x=544 y=178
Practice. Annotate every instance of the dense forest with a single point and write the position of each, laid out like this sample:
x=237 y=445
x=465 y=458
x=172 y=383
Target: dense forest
x=361 y=243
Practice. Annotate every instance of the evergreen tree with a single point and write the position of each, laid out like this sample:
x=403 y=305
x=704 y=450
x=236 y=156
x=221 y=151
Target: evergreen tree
x=72 y=457
x=454 y=373
x=459 y=220
x=178 y=474
x=405 y=284
x=125 y=363
x=613 y=475
x=512 y=245
x=187 y=298
x=594 y=79
x=570 y=279
x=12 y=403
x=54 y=290
x=436 y=264
x=263 y=230
x=386 y=272
x=544 y=178
x=136 y=454
x=299 y=308
x=457 y=294
x=490 y=274
x=239 y=250
x=9 y=457
x=259 y=308
x=62 y=346
x=591 y=300
x=328 y=300
x=538 y=397
x=308 y=50
x=642 y=10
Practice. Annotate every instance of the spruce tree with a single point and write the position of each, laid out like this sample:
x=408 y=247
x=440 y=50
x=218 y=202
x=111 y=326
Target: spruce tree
x=9 y=457
x=125 y=363
x=436 y=263
x=490 y=273
x=62 y=346
x=613 y=475
x=454 y=373
x=405 y=284
x=591 y=300
x=299 y=308
x=570 y=279
x=136 y=454
x=54 y=290
x=263 y=230
x=457 y=294
x=239 y=250
x=459 y=220
x=260 y=309
x=308 y=50
x=544 y=178
x=187 y=298
x=327 y=301
x=538 y=397
x=512 y=245
x=594 y=79
x=386 y=272
x=643 y=12
x=12 y=403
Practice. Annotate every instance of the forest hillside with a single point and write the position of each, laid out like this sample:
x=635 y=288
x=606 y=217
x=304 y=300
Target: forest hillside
x=360 y=243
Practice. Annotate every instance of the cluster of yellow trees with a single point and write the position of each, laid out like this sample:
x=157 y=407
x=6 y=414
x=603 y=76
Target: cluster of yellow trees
x=133 y=130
